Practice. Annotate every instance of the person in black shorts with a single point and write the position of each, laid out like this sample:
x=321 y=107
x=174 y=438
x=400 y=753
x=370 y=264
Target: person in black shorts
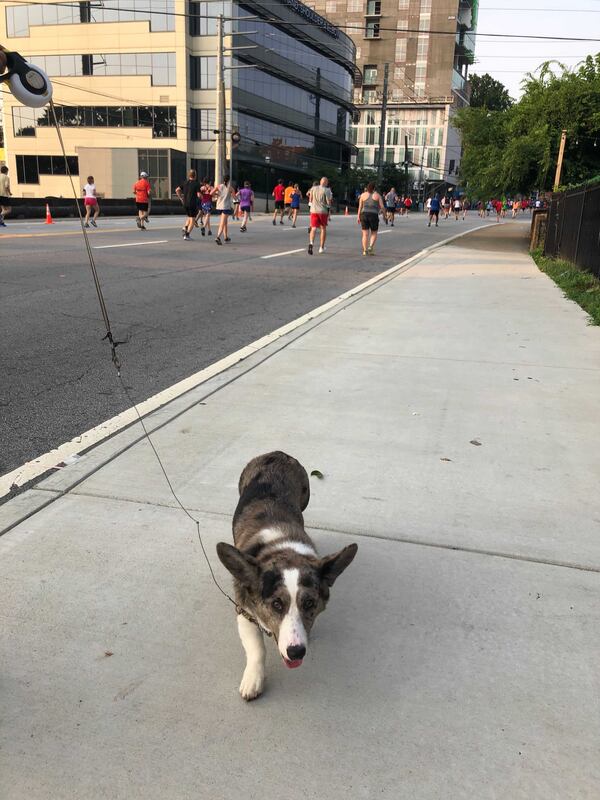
x=370 y=206
x=188 y=193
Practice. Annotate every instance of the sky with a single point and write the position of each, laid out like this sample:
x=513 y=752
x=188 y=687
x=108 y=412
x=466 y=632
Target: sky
x=508 y=60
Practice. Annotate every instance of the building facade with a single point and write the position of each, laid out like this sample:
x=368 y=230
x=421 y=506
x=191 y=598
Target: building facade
x=428 y=47
x=135 y=89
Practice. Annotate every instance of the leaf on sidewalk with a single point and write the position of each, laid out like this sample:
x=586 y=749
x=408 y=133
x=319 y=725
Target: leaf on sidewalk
x=445 y=459
x=317 y=474
x=476 y=442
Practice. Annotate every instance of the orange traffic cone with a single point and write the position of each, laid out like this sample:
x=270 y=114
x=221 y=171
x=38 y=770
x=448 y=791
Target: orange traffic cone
x=49 y=220
x=346 y=213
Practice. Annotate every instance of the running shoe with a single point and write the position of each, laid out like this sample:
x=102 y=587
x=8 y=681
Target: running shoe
x=274 y=223
x=202 y=231
x=87 y=225
x=139 y=222
x=2 y=223
x=187 y=237
x=281 y=222
x=294 y=225
x=218 y=241
x=370 y=251
x=93 y=221
x=209 y=233
x=364 y=252
x=321 y=249
x=227 y=239
x=310 y=249
x=243 y=229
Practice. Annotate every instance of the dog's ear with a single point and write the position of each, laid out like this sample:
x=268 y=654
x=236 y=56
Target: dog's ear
x=244 y=568
x=332 y=566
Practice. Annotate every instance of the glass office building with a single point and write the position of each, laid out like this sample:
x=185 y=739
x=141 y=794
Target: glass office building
x=135 y=88
x=289 y=84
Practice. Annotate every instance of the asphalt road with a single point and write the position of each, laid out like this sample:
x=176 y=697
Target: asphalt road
x=181 y=306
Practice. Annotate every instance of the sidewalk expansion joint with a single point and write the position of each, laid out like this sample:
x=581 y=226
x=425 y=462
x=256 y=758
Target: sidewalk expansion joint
x=549 y=562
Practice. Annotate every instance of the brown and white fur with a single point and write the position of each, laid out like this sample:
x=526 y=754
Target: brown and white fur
x=279 y=579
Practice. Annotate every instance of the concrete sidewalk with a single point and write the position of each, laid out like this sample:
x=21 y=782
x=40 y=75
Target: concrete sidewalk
x=453 y=410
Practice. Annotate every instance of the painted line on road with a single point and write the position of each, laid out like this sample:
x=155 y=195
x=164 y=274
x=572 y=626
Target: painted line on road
x=285 y=253
x=38 y=466
x=129 y=244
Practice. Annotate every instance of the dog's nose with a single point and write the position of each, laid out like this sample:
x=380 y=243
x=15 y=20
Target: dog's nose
x=296 y=652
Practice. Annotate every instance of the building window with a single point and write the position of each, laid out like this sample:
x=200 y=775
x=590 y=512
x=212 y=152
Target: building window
x=203 y=122
x=371 y=29
x=373 y=8
x=156 y=164
x=159 y=66
x=370 y=134
x=19 y=19
x=400 y=52
x=369 y=96
x=202 y=18
x=330 y=7
x=355 y=6
x=23 y=121
x=29 y=168
x=203 y=72
x=451 y=166
x=162 y=119
x=433 y=158
x=370 y=74
x=404 y=5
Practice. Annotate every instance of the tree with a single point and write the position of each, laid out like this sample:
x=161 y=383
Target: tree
x=486 y=92
x=514 y=150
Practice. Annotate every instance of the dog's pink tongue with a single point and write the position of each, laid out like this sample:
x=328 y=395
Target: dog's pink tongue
x=293 y=664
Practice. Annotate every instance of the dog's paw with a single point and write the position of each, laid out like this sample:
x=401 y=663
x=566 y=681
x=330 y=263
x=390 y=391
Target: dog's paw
x=252 y=683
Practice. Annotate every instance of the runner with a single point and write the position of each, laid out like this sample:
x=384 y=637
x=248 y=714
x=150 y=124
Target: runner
x=515 y=208
x=466 y=206
x=206 y=194
x=5 y=194
x=90 y=202
x=279 y=195
x=370 y=206
x=309 y=198
x=142 y=191
x=445 y=206
x=407 y=205
x=224 y=195
x=497 y=204
x=295 y=204
x=489 y=208
x=390 y=206
x=457 y=208
x=235 y=215
x=246 y=196
x=434 y=210
x=320 y=207
x=188 y=192
x=287 y=199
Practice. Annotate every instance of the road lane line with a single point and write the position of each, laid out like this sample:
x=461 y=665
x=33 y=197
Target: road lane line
x=129 y=244
x=285 y=253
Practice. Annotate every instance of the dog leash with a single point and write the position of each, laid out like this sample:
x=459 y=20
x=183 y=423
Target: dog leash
x=243 y=613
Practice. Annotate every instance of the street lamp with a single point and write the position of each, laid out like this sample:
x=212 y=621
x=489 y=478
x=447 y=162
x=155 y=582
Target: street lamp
x=267 y=162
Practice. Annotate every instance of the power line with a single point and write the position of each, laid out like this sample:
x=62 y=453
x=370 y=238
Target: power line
x=350 y=27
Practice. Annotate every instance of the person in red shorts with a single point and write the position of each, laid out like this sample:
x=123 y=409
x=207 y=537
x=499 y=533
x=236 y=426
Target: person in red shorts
x=320 y=207
x=141 y=190
x=407 y=205
x=279 y=195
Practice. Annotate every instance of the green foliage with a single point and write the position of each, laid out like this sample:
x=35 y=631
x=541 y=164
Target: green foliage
x=515 y=150
x=580 y=286
x=487 y=92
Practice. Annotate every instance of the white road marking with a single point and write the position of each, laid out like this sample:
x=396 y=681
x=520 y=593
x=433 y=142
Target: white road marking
x=37 y=466
x=382 y=232
x=285 y=253
x=130 y=244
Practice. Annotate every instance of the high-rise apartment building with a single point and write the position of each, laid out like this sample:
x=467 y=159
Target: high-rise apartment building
x=135 y=89
x=428 y=46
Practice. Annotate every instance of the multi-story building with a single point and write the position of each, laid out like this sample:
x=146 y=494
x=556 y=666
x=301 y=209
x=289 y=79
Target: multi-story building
x=428 y=47
x=135 y=88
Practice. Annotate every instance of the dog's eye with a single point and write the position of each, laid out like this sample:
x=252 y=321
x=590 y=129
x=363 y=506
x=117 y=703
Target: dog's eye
x=308 y=603
x=277 y=605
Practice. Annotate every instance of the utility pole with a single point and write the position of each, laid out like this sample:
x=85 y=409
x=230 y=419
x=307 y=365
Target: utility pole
x=384 y=100
x=559 y=163
x=406 y=188
x=221 y=141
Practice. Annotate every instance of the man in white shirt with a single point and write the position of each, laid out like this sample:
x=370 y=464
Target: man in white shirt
x=320 y=208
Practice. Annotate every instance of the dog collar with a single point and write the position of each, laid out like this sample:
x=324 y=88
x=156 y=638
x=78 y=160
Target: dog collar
x=242 y=611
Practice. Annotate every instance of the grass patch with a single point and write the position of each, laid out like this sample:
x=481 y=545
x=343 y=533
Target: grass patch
x=578 y=285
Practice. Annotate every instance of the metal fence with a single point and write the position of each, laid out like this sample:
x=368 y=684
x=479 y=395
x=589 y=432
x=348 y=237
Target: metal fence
x=574 y=227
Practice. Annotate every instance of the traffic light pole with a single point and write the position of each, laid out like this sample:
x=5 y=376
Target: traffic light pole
x=221 y=141
x=384 y=100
